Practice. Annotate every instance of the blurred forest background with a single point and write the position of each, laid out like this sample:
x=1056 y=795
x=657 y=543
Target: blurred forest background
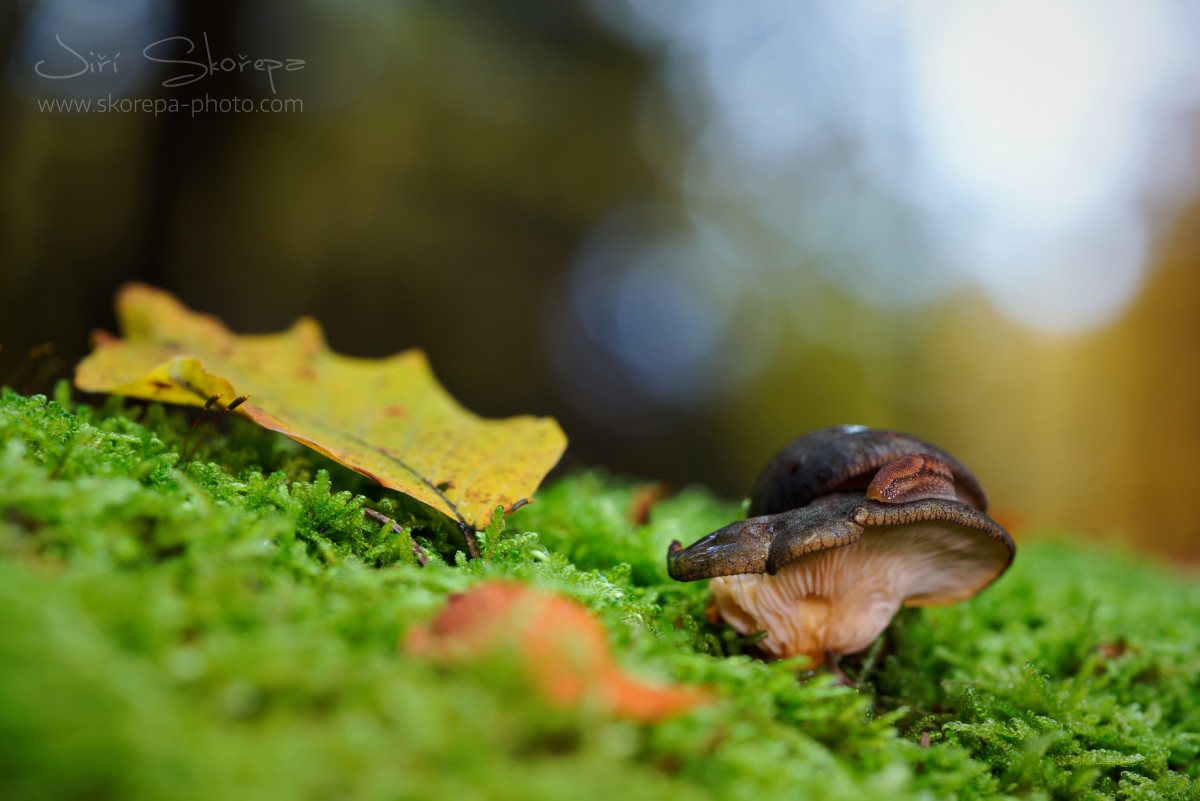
x=688 y=229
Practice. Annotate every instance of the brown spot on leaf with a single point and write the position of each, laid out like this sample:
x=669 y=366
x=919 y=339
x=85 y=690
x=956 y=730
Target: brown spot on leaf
x=395 y=410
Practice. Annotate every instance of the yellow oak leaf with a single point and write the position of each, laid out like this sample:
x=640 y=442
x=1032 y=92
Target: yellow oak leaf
x=386 y=418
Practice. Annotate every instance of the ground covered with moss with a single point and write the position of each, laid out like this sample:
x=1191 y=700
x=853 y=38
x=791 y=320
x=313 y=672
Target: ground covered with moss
x=229 y=630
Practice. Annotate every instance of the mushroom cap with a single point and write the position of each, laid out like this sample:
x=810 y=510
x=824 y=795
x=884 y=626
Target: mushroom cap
x=841 y=458
x=768 y=543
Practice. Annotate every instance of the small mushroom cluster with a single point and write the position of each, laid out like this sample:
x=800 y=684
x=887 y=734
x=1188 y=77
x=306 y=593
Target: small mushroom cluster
x=847 y=524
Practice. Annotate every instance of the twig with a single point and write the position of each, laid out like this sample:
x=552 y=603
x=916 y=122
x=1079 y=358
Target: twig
x=236 y=403
x=208 y=405
x=468 y=532
x=422 y=557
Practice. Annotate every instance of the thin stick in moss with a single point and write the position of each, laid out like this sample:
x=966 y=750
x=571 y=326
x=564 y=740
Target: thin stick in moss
x=418 y=552
x=207 y=405
x=238 y=402
x=469 y=537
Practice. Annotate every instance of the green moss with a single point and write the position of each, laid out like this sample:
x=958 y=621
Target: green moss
x=229 y=630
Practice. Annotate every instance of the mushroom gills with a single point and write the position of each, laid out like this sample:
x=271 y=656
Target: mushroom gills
x=840 y=600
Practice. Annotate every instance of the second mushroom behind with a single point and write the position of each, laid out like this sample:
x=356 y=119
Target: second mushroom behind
x=850 y=523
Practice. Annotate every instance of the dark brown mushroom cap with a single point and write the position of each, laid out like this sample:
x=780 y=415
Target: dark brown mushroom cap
x=841 y=458
x=765 y=544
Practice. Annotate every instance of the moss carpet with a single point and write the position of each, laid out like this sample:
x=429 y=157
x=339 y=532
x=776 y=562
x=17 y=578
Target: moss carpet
x=229 y=630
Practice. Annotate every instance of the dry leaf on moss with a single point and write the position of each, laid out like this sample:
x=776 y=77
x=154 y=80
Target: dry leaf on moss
x=387 y=418
x=560 y=646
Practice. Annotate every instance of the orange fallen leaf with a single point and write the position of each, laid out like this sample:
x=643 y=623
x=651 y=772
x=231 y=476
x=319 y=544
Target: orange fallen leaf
x=562 y=649
x=387 y=418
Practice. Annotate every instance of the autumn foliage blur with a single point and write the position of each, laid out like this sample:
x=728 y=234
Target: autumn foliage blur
x=687 y=232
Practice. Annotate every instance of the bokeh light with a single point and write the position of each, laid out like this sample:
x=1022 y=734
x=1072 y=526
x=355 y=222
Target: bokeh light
x=910 y=150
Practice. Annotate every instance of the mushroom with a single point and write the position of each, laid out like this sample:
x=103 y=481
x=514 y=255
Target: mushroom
x=847 y=525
